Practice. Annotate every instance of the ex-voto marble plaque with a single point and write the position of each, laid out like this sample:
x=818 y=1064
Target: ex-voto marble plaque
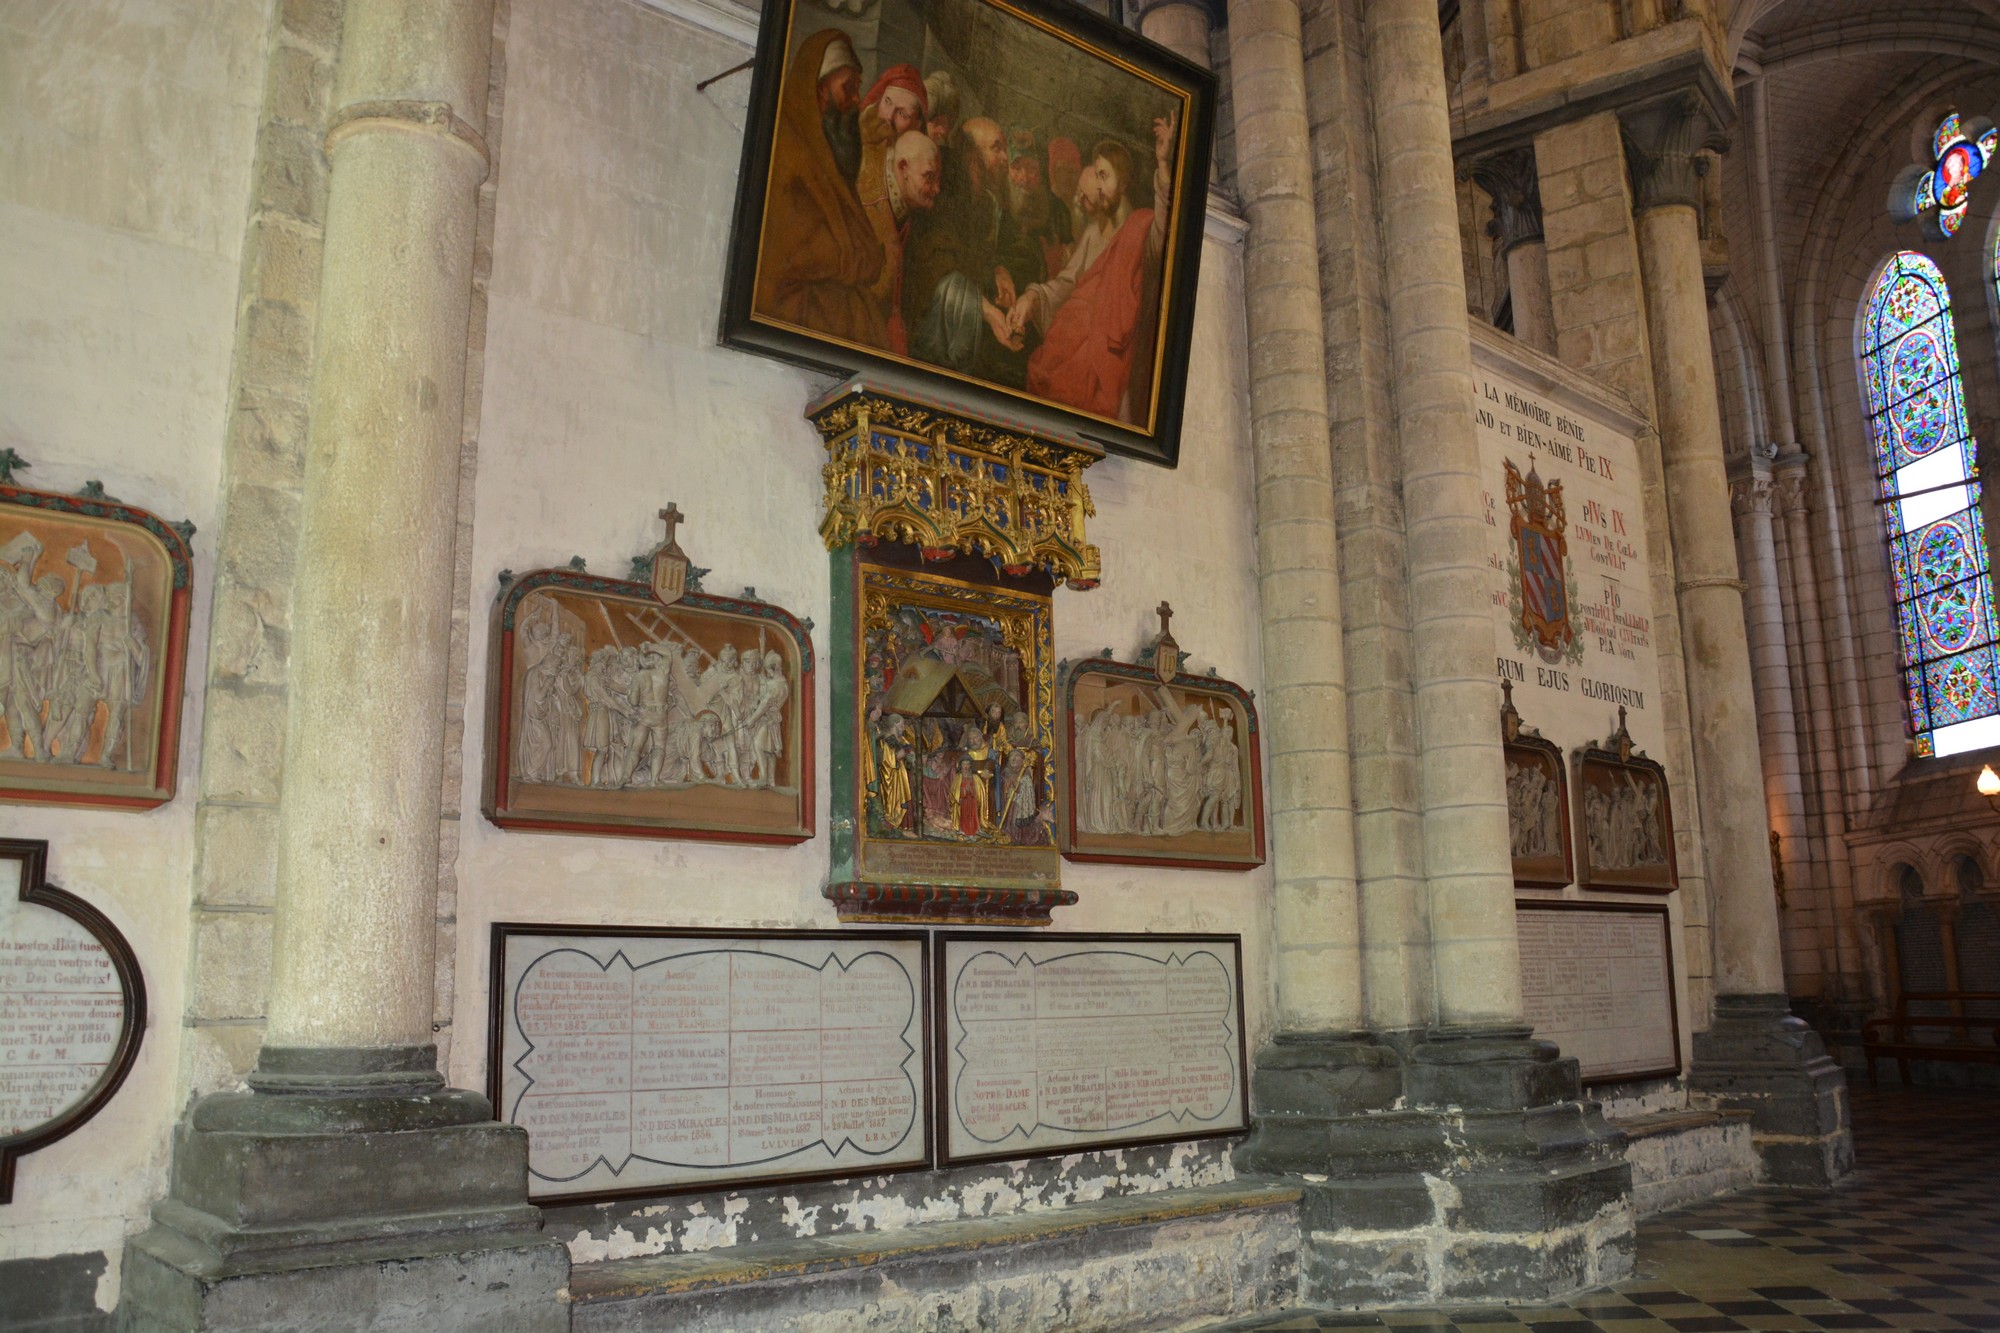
x=1597 y=979
x=72 y=1008
x=645 y=1062
x=1056 y=1043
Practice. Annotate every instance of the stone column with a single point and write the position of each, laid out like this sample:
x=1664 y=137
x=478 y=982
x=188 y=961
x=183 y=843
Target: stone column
x=1305 y=684
x=1182 y=26
x=1830 y=788
x=349 y=1173
x=1429 y=1162
x=1510 y=178
x=1756 y=1053
x=1476 y=957
x=1770 y=664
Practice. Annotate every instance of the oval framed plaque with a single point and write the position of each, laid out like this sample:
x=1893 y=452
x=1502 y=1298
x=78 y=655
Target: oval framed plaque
x=72 y=1008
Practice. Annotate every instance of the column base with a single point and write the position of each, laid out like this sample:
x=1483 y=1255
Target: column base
x=1758 y=1058
x=1455 y=1167
x=347 y=1189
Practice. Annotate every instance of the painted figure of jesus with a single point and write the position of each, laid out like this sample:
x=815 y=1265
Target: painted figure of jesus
x=1097 y=317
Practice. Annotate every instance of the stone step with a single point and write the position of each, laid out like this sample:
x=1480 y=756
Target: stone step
x=1681 y=1156
x=1166 y=1260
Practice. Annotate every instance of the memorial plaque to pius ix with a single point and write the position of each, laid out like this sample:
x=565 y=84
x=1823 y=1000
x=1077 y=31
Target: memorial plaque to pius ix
x=644 y=1062
x=1570 y=574
x=72 y=1008
x=1598 y=980
x=1066 y=1042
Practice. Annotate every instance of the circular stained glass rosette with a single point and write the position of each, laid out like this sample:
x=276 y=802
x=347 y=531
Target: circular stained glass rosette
x=1946 y=134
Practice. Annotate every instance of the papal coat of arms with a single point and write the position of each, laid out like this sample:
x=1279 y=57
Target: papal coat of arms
x=1539 y=595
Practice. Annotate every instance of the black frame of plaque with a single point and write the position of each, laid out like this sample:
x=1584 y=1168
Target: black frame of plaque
x=1673 y=991
x=33 y=854
x=502 y=931
x=942 y=1089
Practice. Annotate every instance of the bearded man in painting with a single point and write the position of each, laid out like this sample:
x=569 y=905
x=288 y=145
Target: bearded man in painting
x=897 y=104
x=820 y=258
x=958 y=285
x=910 y=187
x=1097 y=316
x=840 y=104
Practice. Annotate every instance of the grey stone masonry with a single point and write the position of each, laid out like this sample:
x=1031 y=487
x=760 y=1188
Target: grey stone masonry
x=346 y=1181
x=1759 y=1058
x=1463 y=1167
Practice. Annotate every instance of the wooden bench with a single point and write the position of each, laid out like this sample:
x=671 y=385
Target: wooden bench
x=1960 y=1038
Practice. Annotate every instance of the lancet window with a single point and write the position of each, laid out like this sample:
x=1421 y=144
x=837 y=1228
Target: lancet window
x=1930 y=503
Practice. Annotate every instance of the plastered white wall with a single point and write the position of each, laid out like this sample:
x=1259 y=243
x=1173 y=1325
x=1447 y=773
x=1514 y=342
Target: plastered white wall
x=126 y=134
x=606 y=397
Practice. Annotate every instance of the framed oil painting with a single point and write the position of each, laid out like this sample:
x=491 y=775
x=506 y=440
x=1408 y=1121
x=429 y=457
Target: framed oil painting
x=615 y=711
x=1160 y=767
x=93 y=646
x=1627 y=838
x=1538 y=824
x=944 y=727
x=997 y=202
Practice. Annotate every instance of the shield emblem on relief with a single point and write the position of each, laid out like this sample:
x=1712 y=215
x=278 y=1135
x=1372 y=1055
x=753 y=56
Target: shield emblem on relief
x=670 y=563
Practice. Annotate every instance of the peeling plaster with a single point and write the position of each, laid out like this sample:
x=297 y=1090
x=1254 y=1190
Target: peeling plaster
x=887 y=1202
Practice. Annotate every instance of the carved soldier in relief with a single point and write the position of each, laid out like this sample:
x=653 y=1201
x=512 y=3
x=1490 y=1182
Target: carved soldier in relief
x=664 y=716
x=649 y=707
x=72 y=662
x=1160 y=764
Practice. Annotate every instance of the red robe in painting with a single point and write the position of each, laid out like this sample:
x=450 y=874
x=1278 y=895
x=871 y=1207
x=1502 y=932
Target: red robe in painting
x=1085 y=360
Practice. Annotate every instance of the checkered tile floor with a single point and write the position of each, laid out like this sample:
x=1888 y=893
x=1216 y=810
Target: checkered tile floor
x=1912 y=1243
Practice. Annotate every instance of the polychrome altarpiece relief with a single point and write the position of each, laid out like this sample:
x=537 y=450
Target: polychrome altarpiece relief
x=944 y=750
x=997 y=200
x=1537 y=802
x=94 y=599
x=948 y=535
x=1627 y=837
x=648 y=708
x=1160 y=767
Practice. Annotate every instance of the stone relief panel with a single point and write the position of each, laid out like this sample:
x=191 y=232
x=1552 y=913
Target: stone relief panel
x=1161 y=767
x=1628 y=826
x=1538 y=817
x=613 y=712
x=93 y=642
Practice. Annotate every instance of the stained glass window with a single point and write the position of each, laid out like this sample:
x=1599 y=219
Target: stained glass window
x=1930 y=500
x=1940 y=190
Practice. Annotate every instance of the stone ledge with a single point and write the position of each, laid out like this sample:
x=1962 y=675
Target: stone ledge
x=678 y=1274
x=1656 y=1123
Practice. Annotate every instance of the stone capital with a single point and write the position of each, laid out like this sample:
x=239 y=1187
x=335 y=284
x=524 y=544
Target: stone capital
x=1511 y=179
x=1788 y=482
x=1750 y=487
x=1663 y=143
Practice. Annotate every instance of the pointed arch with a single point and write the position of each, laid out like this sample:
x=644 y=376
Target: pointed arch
x=1930 y=505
